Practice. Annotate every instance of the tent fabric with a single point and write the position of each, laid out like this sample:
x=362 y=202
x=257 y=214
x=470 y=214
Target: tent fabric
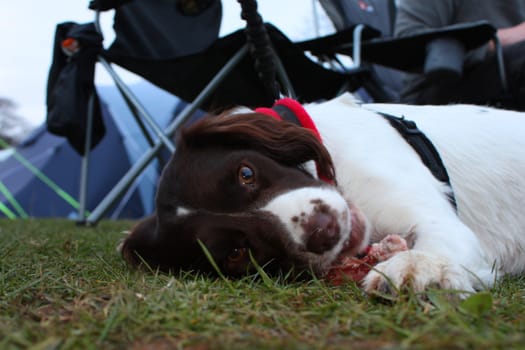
x=54 y=157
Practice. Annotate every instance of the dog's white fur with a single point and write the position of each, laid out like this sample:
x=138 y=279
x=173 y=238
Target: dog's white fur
x=483 y=150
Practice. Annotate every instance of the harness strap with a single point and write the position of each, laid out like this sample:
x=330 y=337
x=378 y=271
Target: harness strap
x=424 y=148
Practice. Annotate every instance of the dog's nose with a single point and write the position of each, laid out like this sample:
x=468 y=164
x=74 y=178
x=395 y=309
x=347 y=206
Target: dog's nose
x=322 y=232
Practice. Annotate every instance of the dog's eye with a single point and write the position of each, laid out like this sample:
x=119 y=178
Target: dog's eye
x=237 y=255
x=246 y=175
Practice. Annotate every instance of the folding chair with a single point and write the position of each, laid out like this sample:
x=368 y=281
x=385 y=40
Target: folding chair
x=250 y=67
x=435 y=53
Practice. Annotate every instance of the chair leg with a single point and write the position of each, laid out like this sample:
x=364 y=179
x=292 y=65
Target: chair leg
x=120 y=188
x=283 y=76
x=84 y=170
x=501 y=63
x=130 y=97
x=357 y=38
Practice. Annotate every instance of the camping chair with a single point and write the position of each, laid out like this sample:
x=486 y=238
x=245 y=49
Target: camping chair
x=437 y=53
x=250 y=67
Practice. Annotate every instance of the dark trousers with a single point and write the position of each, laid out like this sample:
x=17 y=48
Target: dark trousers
x=479 y=84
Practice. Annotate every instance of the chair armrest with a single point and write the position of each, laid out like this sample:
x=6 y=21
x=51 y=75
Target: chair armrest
x=409 y=53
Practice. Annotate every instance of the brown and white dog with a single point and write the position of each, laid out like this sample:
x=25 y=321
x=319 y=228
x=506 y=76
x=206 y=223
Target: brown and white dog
x=246 y=187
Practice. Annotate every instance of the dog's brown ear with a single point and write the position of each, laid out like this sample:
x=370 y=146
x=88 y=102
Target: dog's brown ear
x=170 y=247
x=282 y=141
x=139 y=245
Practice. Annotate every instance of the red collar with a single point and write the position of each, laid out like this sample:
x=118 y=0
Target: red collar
x=302 y=117
x=291 y=110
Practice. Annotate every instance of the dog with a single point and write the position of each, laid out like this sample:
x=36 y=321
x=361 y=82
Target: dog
x=245 y=189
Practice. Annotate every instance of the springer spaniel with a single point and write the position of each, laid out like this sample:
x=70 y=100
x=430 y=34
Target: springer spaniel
x=251 y=188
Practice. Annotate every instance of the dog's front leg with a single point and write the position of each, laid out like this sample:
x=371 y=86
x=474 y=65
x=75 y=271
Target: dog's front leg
x=445 y=255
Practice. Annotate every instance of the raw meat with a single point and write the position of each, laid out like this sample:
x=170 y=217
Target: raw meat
x=355 y=269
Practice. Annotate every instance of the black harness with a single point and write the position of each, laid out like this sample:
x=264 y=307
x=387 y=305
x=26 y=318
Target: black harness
x=287 y=114
x=423 y=147
x=411 y=133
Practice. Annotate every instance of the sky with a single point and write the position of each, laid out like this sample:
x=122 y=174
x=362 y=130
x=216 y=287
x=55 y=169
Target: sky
x=27 y=30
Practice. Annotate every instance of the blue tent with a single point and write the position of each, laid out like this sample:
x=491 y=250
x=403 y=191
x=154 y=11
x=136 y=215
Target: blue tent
x=41 y=176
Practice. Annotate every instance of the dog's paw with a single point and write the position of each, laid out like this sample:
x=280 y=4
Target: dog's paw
x=417 y=271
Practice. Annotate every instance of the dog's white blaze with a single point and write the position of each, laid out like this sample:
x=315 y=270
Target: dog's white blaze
x=183 y=211
x=290 y=207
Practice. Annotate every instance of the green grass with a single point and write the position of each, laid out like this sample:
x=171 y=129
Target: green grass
x=65 y=287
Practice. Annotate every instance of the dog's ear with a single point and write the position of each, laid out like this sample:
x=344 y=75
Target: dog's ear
x=171 y=248
x=147 y=246
x=282 y=141
x=138 y=246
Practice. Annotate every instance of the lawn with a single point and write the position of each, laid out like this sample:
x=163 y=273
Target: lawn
x=65 y=287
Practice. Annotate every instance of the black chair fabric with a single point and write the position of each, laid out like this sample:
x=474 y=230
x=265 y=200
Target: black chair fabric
x=158 y=30
x=386 y=51
x=186 y=76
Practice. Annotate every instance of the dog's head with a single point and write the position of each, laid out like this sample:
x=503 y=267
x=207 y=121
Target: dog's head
x=238 y=186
